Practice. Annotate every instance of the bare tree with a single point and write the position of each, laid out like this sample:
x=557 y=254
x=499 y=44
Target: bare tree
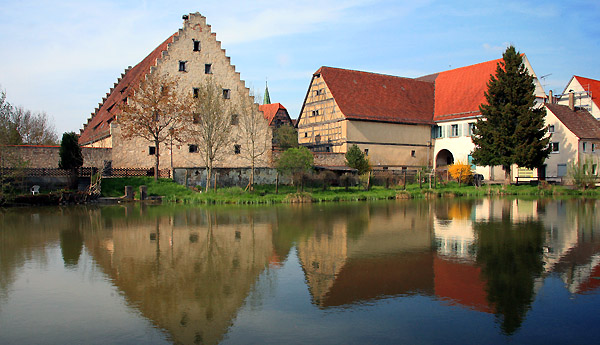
x=254 y=133
x=155 y=112
x=211 y=117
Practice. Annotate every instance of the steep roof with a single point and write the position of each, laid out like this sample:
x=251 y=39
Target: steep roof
x=379 y=97
x=270 y=110
x=99 y=125
x=580 y=121
x=460 y=91
x=591 y=85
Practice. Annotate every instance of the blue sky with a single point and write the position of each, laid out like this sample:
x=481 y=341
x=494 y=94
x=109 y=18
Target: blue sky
x=63 y=56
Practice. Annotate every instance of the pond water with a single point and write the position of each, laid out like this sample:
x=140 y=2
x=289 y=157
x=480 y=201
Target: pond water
x=416 y=272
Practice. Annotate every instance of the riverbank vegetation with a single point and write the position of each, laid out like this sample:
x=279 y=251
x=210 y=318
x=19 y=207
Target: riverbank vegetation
x=269 y=194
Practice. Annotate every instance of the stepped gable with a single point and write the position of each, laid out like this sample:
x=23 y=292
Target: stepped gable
x=378 y=97
x=98 y=125
x=270 y=110
x=460 y=91
x=580 y=121
x=591 y=85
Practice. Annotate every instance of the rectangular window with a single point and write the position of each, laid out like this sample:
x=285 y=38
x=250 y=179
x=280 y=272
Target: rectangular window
x=561 y=170
x=196 y=118
x=470 y=161
x=593 y=147
x=196 y=92
x=584 y=146
x=594 y=169
x=234 y=119
x=413 y=153
x=454 y=131
x=315 y=113
x=226 y=93
x=193 y=148
x=319 y=92
x=196 y=46
x=366 y=152
x=208 y=68
x=551 y=129
x=237 y=149
x=471 y=128
x=151 y=150
x=555 y=147
x=182 y=66
x=306 y=134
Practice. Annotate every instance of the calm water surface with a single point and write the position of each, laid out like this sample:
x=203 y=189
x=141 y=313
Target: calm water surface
x=414 y=272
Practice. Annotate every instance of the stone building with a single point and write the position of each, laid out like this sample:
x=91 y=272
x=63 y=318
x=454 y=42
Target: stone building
x=191 y=57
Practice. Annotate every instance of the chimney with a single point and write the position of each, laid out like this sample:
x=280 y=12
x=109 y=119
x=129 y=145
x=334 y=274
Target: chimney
x=550 y=97
x=572 y=100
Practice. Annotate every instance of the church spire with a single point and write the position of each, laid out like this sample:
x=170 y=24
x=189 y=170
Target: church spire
x=267 y=99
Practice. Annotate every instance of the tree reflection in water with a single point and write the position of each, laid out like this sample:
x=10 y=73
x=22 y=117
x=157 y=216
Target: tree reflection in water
x=511 y=259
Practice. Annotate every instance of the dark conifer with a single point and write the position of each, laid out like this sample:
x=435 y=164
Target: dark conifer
x=511 y=130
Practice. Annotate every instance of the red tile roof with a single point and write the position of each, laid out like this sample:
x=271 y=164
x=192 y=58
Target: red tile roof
x=98 y=127
x=591 y=85
x=379 y=97
x=270 y=110
x=460 y=91
x=580 y=122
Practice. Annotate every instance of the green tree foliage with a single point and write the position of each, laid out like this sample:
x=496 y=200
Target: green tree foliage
x=21 y=126
x=295 y=162
x=70 y=152
x=286 y=137
x=511 y=130
x=583 y=174
x=356 y=159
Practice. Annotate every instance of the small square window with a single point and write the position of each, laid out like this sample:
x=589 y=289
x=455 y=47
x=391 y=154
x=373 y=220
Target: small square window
x=551 y=129
x=237 y=149
x=151 y=150
x=193 y=148
x=226 y=93
x=182 y=66
x=306 y=134
x=234 y=119
x=555 y=147
x=413 y=153
x=319 y=92
x=196 y=92
x=196 y=46
x=208 y=68
x=315 y=113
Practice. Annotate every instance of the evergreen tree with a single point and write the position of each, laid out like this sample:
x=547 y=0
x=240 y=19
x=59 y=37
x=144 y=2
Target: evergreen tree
x=70 y=152
x=511 y=130
x=356 y=159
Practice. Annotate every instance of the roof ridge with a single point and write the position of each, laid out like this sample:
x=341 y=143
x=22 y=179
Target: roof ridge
x=365 y=72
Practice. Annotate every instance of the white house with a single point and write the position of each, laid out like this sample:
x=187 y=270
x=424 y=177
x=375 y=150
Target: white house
x=586 y=92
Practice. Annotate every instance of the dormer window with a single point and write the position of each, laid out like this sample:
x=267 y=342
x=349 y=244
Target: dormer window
x=196 y=46
x=182 y=66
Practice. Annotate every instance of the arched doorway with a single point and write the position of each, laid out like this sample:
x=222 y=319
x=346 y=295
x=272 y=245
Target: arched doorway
x=443 y=159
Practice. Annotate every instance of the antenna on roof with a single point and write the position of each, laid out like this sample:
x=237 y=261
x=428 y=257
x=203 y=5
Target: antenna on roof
x=543 y=78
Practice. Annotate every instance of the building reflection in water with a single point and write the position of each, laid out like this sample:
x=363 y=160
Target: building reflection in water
x=187 y=272
x=190 y=270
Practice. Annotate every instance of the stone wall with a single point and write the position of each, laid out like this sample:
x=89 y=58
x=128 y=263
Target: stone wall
x=46 y=156
x=227 y=177
x=320 y=158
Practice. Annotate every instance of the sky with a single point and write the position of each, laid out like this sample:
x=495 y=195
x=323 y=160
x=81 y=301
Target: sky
x=62 y=57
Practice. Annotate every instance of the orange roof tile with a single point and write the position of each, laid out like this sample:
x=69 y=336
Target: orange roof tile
x=460 y=91
x=270 y=110
x=98 y=127
x=591 y=85
x=379 y=97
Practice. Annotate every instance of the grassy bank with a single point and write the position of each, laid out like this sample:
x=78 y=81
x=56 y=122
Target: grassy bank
x=173 y=192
